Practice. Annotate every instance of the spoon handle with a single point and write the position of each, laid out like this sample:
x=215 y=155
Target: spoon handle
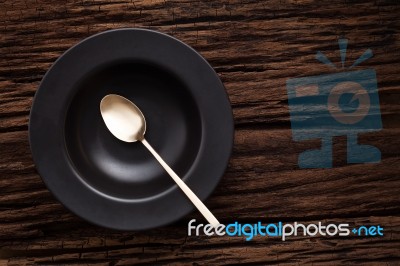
x=189 y=193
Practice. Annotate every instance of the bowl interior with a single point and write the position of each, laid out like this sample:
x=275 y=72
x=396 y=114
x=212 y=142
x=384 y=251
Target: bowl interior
x=127 y=170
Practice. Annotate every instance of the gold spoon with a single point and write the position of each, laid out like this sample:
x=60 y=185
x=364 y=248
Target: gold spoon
x=127 y=123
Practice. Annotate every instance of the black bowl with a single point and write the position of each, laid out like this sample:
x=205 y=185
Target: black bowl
x=117 y=184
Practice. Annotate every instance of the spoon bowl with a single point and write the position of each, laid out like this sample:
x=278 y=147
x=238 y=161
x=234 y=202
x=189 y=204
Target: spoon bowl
x=123 y=118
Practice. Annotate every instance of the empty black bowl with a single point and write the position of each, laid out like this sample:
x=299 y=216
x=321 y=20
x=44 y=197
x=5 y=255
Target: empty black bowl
x=117 y=184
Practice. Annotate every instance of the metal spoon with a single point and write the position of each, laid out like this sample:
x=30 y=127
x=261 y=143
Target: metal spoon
x=127 y=123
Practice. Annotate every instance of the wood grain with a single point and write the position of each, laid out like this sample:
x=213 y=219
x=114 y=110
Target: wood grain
x=254 y=46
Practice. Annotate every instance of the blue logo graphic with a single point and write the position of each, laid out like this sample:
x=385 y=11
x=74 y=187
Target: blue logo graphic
x=338 y=104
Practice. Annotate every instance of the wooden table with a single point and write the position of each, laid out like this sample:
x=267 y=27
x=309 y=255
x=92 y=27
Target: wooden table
x=254 y=46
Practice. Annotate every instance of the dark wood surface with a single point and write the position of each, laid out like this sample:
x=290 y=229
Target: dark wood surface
x=254 y=46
